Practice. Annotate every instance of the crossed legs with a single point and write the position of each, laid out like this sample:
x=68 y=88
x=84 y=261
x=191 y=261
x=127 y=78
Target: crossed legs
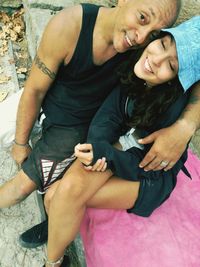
x=67 y=200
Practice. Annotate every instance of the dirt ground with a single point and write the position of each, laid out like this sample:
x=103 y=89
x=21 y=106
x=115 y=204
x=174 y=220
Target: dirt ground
x=195 y=143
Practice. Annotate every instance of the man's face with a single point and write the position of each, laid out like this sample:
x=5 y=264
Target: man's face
x=138 y=21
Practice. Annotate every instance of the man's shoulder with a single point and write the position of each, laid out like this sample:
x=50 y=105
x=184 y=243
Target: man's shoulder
x=69 y=18
x=62 y=32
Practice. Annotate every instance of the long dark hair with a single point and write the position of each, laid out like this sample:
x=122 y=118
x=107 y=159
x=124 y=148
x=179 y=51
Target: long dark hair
x=149 y=103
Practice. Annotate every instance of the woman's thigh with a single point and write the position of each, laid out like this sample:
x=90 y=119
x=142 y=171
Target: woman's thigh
x=116 y=193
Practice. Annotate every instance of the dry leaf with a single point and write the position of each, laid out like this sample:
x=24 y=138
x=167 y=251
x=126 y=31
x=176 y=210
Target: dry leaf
x=13 y=35
x=4 y=17
x=3 y=95
x=4 y=79
x=3 y=50
x=17 y=28
x=22 y=70
x=21 y=55
x=13 y=28
x=11 y=61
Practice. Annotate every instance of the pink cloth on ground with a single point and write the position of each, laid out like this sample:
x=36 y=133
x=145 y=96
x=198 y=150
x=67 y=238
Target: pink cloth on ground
x=170 y=237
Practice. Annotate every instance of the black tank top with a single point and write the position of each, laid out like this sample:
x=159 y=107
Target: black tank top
x=80 y=87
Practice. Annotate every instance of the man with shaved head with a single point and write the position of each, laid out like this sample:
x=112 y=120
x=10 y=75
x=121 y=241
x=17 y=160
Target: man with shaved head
x=71 y=75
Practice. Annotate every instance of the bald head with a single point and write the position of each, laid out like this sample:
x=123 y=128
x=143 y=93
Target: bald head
x=141 y=20
x=171 y=10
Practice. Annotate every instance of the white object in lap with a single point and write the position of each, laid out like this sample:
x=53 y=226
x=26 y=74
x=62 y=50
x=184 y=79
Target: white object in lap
x=8 y=116
x=129 y=140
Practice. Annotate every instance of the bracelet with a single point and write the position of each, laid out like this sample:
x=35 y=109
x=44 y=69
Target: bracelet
x=18 y=144
x=53 y=263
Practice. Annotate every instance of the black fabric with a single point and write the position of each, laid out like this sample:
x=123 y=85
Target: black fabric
x=81 y=86
x=78 y=90
x=108 y=125
x=52 y=154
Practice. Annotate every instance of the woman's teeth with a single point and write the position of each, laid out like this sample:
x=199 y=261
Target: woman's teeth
x=147 y=66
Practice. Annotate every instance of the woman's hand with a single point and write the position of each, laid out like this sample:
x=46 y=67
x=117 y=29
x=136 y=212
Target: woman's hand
x=84 y=153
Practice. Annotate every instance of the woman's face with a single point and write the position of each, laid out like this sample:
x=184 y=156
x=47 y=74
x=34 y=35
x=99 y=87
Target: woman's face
x=159 y=62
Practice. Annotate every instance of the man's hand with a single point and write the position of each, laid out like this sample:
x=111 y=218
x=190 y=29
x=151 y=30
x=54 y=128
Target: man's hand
x=168 y=146
x=20 y=153
x=84 y=153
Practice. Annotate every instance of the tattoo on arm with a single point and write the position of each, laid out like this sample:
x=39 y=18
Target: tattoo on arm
x=44 y=68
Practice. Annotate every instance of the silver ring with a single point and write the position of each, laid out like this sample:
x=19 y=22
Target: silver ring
x=164 y=163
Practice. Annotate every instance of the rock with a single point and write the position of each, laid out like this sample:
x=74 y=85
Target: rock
x=11 y=3
x=21 y=76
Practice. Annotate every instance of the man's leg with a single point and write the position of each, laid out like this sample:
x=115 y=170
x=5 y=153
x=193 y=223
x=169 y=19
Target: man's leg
x=16 y=190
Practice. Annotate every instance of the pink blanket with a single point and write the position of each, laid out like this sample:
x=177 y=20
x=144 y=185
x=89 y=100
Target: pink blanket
x=170 y=237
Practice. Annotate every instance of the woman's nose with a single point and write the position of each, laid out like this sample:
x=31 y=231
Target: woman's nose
x=159 y=59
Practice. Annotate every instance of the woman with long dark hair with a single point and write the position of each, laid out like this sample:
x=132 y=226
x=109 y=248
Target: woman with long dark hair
x=153 y=92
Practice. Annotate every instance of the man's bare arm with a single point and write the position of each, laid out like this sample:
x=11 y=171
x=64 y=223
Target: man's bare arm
x=38 y=62
x=53 y=50
x=169 y=143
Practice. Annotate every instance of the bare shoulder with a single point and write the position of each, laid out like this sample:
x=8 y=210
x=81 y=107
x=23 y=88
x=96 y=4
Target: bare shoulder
x=61 y=34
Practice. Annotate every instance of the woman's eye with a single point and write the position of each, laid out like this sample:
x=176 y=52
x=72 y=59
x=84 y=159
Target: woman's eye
x=171 y=67
x=163 y=44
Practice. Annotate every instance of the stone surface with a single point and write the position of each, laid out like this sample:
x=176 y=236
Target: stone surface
x=15 y=220
x=55 y=5
x=189 y=8
x=11 y=3
x=7 y=69
x=36 y=20
x=48 y=4
x=195 y=143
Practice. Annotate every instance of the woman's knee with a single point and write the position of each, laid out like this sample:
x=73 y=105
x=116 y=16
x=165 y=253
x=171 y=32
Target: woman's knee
x=72 y=185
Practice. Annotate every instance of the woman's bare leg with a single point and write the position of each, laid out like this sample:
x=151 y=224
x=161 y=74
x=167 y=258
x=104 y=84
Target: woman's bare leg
x=68 y=206
x=116 y=193
x=69 y=202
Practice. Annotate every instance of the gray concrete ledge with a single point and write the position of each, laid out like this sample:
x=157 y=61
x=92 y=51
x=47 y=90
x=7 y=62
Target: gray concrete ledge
x=36 y=20
x=11 y=3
